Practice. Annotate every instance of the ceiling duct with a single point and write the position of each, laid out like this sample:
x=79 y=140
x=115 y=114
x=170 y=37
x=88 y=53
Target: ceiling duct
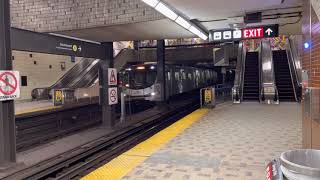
x=253 y=18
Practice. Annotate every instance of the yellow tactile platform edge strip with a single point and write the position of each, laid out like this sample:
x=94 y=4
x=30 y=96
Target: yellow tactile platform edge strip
x=37 y=109
x=126 y=162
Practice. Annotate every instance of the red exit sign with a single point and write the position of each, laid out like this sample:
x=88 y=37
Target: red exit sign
x=253 y=33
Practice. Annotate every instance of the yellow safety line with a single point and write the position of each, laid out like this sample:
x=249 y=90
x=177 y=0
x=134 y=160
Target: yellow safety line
x=126 y=162
x=37 y=109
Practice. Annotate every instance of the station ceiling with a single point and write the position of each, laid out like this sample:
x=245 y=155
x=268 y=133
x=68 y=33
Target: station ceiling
x=209 y=13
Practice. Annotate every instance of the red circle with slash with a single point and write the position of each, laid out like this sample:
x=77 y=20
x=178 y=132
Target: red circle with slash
x=13 y=85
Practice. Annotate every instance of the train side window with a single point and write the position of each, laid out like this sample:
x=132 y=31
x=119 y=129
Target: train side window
x=189 y=76
x=176 y=75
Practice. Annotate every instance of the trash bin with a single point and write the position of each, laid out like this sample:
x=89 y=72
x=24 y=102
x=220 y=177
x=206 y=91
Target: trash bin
x=303 y=164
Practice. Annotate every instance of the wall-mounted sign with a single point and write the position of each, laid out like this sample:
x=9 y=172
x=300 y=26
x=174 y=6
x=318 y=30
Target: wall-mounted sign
x=113 y=95
x=9 y=85
x=112 y=77
x=247 y=33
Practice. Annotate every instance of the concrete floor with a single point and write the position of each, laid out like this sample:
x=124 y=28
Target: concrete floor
x=230 y=143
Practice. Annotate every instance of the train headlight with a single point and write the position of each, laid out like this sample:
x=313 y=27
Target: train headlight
x=127 y=85
x=153 y=94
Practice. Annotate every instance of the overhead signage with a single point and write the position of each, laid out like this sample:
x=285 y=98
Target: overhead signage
x=252 y=33
x=9 y=85
x=247 y=33
x=69 y=47
x=112 y=77
x=113 y=96
x=24 y=40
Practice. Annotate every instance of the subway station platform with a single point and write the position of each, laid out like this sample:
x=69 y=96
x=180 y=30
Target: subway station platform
x=230 y=142
x=33 y=106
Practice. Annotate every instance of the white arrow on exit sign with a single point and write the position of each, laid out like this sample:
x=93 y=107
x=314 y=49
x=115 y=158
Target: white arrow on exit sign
x=269 y=31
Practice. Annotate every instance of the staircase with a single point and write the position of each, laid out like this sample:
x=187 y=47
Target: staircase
x=283 y=76
x=251 y=77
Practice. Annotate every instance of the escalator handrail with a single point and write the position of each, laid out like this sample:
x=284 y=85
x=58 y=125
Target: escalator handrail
x=292 y=58
x=266 y=72
x=243 y=69
x=296 y=60
x=239 y=74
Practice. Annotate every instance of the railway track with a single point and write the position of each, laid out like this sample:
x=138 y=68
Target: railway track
x=82 y=160
x=41 y=127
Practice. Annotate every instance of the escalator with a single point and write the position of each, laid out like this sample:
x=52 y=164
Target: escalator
x=283 y=76
x=251 y=77
x=79 y=76
x=82 y=75
x=73 y=73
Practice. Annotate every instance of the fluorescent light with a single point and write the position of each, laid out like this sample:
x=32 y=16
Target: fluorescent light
x=197 y=32
x=169 y=13
x=165 y=10
x=141 y=68
x=151 y=3
x=182 y=22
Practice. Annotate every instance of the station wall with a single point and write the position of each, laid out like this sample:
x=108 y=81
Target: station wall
x=39 y=70
x=311 y=63
x=61 y=15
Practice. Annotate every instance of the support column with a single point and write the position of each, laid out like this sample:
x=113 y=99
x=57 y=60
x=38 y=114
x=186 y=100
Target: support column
x=7 y=119
x=136 y=45
x=108 y=112
x=161 y=76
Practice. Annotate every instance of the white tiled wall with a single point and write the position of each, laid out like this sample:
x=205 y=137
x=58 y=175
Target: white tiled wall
x=316 y=7
x=39 y=75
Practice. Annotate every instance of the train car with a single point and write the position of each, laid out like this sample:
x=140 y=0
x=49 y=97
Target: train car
x=140 y=81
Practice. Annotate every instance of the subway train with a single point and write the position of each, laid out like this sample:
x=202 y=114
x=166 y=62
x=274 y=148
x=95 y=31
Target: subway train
x=140 y=82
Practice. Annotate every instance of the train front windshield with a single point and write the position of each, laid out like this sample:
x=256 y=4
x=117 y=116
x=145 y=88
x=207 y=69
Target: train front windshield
x=139 y=78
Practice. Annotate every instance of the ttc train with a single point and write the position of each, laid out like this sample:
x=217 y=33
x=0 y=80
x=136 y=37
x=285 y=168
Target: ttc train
x=140 y=81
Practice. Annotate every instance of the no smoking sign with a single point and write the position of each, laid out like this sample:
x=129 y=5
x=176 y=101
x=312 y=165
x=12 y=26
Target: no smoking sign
x=9 y=85
x=113 y=95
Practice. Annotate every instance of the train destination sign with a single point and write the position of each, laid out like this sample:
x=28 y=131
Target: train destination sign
x=246 y=33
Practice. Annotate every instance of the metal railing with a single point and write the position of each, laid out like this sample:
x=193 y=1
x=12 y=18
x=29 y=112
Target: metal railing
x=268 y=92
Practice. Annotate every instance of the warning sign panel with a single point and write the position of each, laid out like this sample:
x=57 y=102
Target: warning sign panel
x=112 y=77
x=9 y=85
x=113 y=96
x=57 y=97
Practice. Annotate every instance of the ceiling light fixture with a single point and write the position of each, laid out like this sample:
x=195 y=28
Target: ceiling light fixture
x=182 y=22
x=171 y=14
x=151 y=3
x=197 y=32
x=165 y=10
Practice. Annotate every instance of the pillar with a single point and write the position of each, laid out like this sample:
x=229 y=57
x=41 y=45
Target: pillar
x=7 y=119
x=108 y=112
x=161 y=76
